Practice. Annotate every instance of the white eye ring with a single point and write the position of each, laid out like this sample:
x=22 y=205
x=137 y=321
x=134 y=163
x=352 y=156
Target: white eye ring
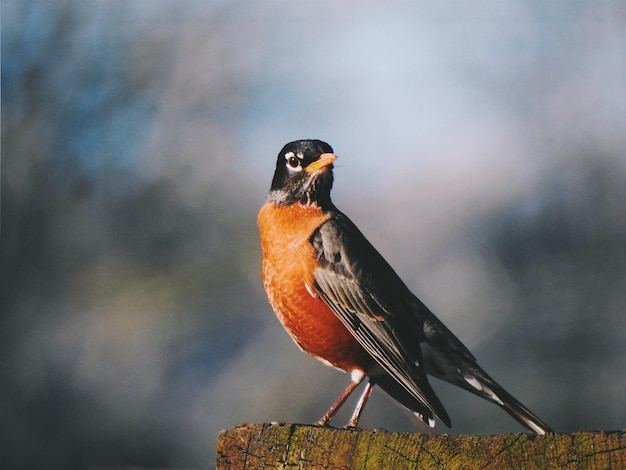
x=293 y=162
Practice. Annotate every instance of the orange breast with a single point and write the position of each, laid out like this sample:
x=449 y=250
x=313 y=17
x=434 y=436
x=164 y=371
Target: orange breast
x=288 y=268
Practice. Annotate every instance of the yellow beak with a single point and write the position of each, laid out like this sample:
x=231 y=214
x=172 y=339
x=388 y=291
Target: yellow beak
x=323 y=161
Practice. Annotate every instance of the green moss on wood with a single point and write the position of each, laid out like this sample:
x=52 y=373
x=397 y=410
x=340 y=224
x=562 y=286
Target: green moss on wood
x=292 y=446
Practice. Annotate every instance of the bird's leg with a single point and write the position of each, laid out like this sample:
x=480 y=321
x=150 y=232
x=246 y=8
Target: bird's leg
x=357 y=378
x=354 y=420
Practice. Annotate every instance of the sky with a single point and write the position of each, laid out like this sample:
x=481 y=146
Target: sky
x=482 y=150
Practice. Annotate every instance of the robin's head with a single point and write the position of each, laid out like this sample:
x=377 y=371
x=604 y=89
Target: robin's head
x=304 y=174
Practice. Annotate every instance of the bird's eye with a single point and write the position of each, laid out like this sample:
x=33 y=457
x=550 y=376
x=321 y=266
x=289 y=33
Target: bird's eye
x=293 y=161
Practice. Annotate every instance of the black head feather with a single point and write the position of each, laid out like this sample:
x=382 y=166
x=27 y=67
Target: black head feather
x=293 y=184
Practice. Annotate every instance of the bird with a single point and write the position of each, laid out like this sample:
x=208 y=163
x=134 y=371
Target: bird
x=342 y=303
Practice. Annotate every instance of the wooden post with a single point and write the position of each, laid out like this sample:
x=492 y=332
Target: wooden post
x=295 y=446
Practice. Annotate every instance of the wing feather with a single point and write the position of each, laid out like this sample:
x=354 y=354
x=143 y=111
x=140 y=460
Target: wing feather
x=402 y=335
x=368 y=296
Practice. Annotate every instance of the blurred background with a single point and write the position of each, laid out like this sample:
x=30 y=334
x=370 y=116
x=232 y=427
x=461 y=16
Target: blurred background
x=482 y=150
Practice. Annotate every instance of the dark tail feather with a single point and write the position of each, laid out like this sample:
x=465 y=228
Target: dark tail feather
x=484 y=386
x=521 y=413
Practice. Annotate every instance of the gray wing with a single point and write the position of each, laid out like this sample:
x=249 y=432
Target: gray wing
x=376 y=306
x=396 y=328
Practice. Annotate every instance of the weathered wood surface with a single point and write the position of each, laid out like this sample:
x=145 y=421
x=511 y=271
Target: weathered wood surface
x=293 y=446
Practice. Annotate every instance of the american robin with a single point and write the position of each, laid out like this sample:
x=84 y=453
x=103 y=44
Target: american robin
x=342 y=302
